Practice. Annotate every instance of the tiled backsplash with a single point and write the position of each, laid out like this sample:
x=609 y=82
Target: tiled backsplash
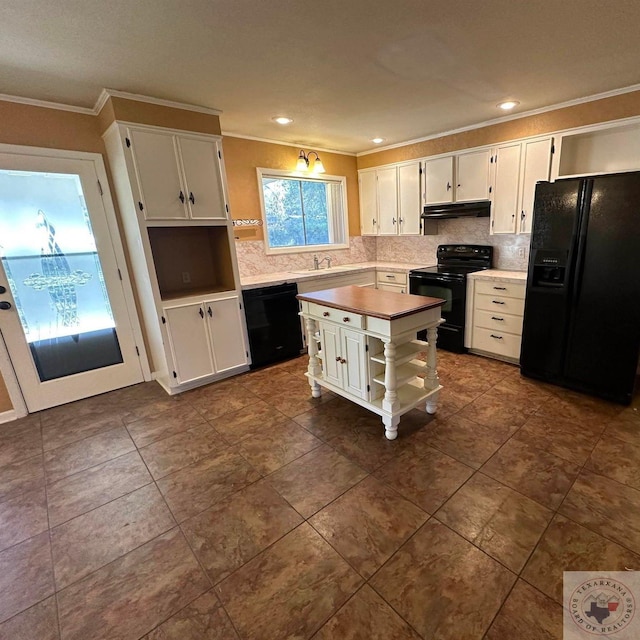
x=252 y=259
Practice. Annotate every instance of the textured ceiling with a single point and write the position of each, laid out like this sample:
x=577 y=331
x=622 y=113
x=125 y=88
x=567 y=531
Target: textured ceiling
x=345 y=71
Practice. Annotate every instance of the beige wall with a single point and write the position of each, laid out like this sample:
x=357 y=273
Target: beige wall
x=622 y=106
x=242 y=157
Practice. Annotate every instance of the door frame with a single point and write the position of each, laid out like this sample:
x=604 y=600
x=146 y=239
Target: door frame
x=115 y=236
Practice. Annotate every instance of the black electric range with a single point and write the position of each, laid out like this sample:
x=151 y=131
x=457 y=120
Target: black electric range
x=448 y=280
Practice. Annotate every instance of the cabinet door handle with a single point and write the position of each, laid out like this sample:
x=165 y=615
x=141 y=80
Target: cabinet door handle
x=374 y=220
x=338 y=358
x=500 y=288
x=498 y=319
x=449 y=186
x=522 y=215
x=201 y=312
x=342 y=361
x=496 y=337
x=325 y=314
x=192 y=198
x=497 y=302
x=400 y=220
x=181 y=196
x=393 y=221
x=210 y=312
x=346 y=319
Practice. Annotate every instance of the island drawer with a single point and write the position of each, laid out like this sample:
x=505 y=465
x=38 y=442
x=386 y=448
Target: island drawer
x=502 y=304
x=498 y=321
x=336 y=315
x=391 y=277
x=506 y=289
x=498 y=342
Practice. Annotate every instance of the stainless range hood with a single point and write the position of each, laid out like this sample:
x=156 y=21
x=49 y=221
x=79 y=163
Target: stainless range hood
x=480 y=209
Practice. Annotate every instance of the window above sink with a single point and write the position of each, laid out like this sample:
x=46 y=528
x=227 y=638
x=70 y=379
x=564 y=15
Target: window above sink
x=303 y=213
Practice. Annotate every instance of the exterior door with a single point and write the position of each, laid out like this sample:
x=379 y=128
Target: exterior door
x=63 y=312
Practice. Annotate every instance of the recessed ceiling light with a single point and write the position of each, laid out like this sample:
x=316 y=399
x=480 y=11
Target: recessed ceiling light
x=508 y=104
x=377 y=140
x=282 y=120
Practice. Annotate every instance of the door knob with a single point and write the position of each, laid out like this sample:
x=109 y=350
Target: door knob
x=5 y=306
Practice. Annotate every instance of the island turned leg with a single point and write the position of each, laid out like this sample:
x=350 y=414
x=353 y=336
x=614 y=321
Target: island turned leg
x=314 y=368
x=390 y=401
x=431 y=380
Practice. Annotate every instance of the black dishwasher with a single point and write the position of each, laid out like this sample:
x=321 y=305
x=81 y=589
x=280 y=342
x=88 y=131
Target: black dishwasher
x=273 y=323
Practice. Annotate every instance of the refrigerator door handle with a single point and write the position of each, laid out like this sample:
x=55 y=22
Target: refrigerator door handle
x=582 y=236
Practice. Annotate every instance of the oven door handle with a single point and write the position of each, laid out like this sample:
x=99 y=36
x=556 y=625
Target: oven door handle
x=434 y=279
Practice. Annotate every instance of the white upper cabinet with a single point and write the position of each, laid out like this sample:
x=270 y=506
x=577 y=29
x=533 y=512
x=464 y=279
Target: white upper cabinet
x=457 y=178
x=390 y=200
x=518 y=167
x=535 y=167
x=438 y=180
x=472 y=176
x=179 y=176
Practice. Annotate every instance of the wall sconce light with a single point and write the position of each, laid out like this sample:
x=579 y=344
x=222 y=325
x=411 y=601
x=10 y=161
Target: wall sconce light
x=305 y=158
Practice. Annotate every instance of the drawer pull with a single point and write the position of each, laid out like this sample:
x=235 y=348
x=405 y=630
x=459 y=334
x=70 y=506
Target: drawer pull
x=499 y=319
x=346 y=319
x=496 y=337
x=337 y=358
x=340 y=360
x=325 y=314
x=497 y=302
x=390 y=275
x=500 y=288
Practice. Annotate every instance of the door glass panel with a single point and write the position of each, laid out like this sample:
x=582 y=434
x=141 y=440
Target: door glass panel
x=49 y=254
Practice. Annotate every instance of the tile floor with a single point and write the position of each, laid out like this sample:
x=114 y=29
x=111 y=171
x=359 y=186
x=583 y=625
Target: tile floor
x=247 y=509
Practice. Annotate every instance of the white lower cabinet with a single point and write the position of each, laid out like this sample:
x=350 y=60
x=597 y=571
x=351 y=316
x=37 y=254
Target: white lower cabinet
x=497 y=309
x=391 y=281
x=205 y=338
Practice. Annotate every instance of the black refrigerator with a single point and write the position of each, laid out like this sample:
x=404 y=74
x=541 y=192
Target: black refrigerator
x=582 y=309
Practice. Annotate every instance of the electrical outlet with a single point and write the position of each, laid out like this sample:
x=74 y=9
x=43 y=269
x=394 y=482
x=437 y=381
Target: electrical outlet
x=186 y=277
x=521 y=253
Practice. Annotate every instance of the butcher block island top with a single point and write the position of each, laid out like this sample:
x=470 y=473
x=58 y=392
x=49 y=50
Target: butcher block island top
x=375 y=303
x=363 y=346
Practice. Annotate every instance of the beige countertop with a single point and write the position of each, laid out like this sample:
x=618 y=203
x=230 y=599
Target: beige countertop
x=498 y=275
x=266 y=279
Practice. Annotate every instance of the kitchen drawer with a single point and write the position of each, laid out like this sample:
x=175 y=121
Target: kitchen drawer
x=498 y=342
x=387 y=286
x=336 y=315
x=391 y=277
x=506 y=289
x=498 y=321
x=512 y=306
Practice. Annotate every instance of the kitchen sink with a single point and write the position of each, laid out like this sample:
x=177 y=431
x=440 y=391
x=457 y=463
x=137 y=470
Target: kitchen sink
x=336 y=269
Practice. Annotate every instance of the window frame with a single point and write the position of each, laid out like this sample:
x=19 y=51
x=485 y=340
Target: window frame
x=337 y=228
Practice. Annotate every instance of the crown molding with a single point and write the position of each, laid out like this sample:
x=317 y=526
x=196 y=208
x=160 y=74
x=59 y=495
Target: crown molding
x=45 y=104
x=230 y=134
x=112 y=93
x=515 y=116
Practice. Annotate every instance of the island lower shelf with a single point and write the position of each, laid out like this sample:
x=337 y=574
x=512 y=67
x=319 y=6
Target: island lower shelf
x=362 y=346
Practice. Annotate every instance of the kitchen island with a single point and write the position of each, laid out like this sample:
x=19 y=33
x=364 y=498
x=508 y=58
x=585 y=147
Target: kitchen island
x=362 y=346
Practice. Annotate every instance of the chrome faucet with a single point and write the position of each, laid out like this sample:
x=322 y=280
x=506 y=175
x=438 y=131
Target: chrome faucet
x=317 y=263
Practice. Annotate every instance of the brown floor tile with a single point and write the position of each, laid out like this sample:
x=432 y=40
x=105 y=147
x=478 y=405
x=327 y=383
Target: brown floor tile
x=271 y=449
x=578 y=408
x=171 y=454
x=625 y=426
x=567 y=546
x=467 y=441
x=203 y=619
x=527 y=615
x=98 y=537
x=20 y=440
x=290 y=589
x=427 y=480
x=617 y=459
x=536 y=473
x=312 y=481
x=332 y=418
x=264 y=381
x=521 y=391
x=40 y=622
x=235 y=530
x=216 y=400
x=566 y=439
x=22 y=517
x=366 y=616
x=66 y=432
x=460 y=392
x=148 y=408
x=496 y=411
x=501 y=522
x=18 y=477
x=132 y=595
x=249 y=420
x=294 y=396
x=175 y=420
x=86 y=490
x=437 y=578
x=604 y=506
x=86 y=453
x=367 y=524
x=199 y=486
x=26 y=575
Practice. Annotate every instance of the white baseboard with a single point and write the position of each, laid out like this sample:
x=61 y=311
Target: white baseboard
x=8 y=416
